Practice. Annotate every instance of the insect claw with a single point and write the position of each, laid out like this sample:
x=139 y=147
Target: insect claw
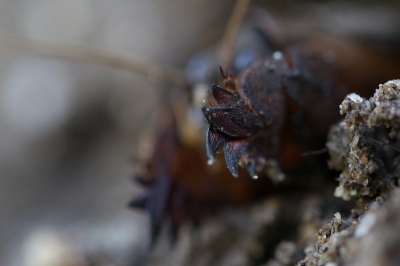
x=234 y=172
x=214 y=141
x=222 y=73
x=223 y=96
x=233 y=152
x=140 y=202
x=228 y=121
x=251 y=169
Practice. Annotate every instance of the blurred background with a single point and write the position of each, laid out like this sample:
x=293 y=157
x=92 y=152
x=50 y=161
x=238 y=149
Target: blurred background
x=68 y=128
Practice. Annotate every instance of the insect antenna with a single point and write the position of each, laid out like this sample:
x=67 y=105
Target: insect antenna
x=316 y=152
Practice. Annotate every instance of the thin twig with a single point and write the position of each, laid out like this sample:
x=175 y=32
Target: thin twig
x=37 y=47
x=232 y=28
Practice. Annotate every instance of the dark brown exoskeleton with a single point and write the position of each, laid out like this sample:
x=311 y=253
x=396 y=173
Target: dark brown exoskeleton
x=278 y=108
